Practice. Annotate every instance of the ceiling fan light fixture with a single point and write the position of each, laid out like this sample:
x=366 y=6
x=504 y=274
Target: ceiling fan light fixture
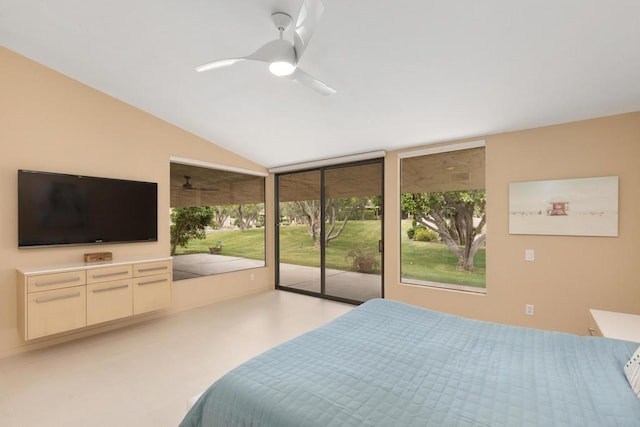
x=281 y=68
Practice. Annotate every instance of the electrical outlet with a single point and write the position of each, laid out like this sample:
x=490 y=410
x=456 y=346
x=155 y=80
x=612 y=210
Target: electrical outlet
x=529 y=254
x=253 y=277
x=528 y=309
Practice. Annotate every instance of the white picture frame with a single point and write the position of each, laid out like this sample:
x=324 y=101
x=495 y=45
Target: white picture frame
x=566 y=207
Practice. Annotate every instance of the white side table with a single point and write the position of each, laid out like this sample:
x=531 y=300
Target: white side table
x=621 y=326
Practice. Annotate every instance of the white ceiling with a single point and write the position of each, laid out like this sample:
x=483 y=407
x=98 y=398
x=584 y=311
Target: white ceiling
x=408 y=72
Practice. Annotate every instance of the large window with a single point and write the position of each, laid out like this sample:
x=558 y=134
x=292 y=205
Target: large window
x=443 y=217
x=217 y=221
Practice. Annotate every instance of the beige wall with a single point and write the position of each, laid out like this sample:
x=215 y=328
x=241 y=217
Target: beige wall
x=52 y=123
x=569 y=274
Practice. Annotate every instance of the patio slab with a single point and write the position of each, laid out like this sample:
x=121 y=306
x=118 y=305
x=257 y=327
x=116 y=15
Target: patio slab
x=340 y=283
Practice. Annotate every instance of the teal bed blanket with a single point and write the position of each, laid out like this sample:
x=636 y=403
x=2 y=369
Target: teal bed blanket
x=387 y=363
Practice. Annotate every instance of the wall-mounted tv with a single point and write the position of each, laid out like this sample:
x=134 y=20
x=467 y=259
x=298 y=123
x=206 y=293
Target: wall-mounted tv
x=60 y=209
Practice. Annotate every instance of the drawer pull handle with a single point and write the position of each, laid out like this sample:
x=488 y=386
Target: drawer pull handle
x=144 y=270
x=152 y=282
x=113 y=288
x=56 y=298
x=117 y=273
x=57 y=281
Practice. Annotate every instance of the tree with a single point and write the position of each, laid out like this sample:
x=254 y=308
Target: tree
x=246 y=214
x=336 y=210
x=308 y=211
x=220 y=215
x=376 y=204
x=189 y=223
x=451 y=215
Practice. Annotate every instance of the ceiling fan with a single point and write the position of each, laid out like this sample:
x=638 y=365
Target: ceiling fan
x=188 y=186
x=282 y=56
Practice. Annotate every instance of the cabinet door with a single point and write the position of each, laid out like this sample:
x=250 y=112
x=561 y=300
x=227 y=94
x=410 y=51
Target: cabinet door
x=59 y=310
x=151 y=293
x=109 y=301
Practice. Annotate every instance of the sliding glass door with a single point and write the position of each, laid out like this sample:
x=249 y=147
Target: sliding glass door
x=329 y=241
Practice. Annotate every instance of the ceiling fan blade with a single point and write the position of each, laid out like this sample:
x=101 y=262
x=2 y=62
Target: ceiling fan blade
x=220 y=63
x=308 y=17
x=267 y=53
x=309 y=81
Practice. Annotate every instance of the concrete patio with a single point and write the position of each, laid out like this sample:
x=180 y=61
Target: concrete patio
x=198 y=265
x=339 y=283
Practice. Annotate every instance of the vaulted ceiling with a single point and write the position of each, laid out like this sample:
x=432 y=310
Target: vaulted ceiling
x=407 y=72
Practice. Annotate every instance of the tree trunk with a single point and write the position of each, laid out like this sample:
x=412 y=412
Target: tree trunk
x=174 y=240
x=462 y=238
x=310 y=215
x=332 y=218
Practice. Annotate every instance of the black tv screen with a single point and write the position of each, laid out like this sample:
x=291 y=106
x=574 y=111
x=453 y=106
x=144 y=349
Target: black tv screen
x=59 y=209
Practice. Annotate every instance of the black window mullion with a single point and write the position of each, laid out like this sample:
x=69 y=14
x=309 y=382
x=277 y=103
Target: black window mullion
x=322 y=234
x=276 y=245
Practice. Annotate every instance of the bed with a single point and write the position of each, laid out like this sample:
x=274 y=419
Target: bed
x=387 y=363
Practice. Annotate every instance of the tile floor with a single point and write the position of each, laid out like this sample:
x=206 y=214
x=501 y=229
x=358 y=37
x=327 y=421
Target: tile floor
x=143 y=375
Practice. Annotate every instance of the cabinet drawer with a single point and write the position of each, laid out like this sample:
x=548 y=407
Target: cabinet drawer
x=151 y=268
x=109 y=301
x=151 y=293
x=59 y=310
x=45 y=282
x=105 y=274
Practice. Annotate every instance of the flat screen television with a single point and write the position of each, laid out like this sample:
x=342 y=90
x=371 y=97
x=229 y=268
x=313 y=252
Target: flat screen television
x=60 y=209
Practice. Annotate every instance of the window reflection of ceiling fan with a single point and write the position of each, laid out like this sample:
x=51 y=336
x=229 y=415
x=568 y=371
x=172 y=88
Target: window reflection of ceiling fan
x=190 y=187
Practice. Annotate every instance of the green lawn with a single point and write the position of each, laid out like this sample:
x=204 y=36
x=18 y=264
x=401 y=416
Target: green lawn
x=296 y=246
x=246 y=244
x=420 y=260
x=434 y=262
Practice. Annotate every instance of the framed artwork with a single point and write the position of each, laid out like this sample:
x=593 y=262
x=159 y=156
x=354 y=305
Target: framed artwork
x=566 y=207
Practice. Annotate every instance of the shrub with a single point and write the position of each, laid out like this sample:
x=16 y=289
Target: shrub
x=422 y=234
x=217 y=248
x=363 y=259
x=411 y=232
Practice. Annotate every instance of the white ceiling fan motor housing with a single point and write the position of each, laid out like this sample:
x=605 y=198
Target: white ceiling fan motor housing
x=281 y=20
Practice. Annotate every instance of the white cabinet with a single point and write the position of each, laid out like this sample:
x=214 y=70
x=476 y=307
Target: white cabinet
x=611 y=324
x=56 y=300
